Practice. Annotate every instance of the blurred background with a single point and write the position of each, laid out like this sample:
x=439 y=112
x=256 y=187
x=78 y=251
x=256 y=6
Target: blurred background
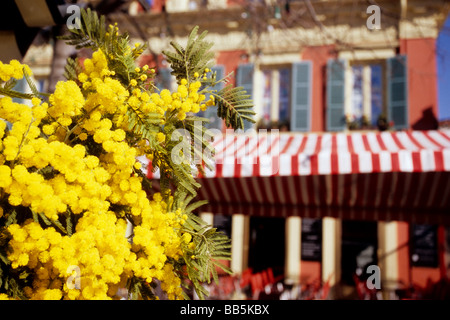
x=358 y=91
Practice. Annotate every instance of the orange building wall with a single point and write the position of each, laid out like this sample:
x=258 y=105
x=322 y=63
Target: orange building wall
x=318 y=56
x=422 y=82
x=403 y=253
x=231 y=60
x=310 y=271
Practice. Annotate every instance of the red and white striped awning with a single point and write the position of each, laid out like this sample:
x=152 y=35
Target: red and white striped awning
x=403 y=170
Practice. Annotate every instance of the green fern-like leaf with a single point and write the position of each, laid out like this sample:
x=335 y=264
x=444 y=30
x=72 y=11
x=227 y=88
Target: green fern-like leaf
x=91 y=32
x=211 y=246
x=71 y=69
x=31 y=84
x=15 y=94
x=195 y=58
x=234 y=106
x=94 y=34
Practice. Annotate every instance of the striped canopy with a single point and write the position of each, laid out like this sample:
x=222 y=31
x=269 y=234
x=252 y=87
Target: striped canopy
x=387 y=175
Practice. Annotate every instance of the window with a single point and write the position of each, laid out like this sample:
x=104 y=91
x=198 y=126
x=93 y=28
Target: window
x=336 y=94
x=376 y=93
x=267 y=96
x=244 y=78
x=377 y=88
x=276 y=96
x=366 y=103
x=397 y=91
x=41 y=84
x=22 y=86
x=357 y=92
x=284 y=95
x=424 y=246
x=164 y=79
x=284 y=113
x=311 y=244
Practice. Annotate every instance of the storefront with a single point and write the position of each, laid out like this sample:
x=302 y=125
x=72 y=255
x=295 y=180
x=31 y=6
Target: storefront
x=327 y=205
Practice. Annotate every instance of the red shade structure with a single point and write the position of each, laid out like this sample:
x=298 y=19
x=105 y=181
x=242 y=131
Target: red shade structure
x=391 y=175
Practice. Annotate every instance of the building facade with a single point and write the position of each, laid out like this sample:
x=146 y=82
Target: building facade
x=318 y=71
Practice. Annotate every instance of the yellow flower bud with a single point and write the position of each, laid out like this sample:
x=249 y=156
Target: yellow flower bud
x=160 y=137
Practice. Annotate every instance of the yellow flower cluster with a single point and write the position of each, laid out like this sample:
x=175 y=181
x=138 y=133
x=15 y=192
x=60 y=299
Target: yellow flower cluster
x=101 y=252
x=79 y=195
x=13 y=70
x=66 y=102
x=186 y=99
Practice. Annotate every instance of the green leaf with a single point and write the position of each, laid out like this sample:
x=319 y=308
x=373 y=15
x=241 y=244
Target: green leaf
x=4 y=259
x=15 y=94
x=31 y=84
x=71 y=69
x=195 y=58
x=234 y=106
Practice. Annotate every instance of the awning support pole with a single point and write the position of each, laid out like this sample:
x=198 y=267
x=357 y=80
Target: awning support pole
x=293 y=248
x=331 y=250
x=240 y=229
x=388 y=255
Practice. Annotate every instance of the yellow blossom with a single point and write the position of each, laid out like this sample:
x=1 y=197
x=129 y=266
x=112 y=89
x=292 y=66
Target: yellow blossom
x=160 y=137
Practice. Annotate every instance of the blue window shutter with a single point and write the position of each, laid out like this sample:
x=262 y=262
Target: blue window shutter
x=336 y=94
x=164 y=79
x=244 y=78
x=301 y=83
x=397 y=91
x=211 y=113
x=20 y=86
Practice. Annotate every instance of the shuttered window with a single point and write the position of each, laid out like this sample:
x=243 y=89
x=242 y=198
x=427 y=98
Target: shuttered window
x=336 y=94
x=301 y=96
x=244 y=78
x=164 y=79
x=397 y=91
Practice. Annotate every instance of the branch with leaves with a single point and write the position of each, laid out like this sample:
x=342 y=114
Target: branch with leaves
x=106 y=111
x=234 y=104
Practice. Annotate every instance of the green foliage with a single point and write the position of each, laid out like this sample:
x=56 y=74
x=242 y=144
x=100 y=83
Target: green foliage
x=211 y=246
x=71 y=69
x=234 y=104
x=198 y=264
x=91 y=32
x=94 y=34
x=15 y=94
x=195 y=58
x=11 y=280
